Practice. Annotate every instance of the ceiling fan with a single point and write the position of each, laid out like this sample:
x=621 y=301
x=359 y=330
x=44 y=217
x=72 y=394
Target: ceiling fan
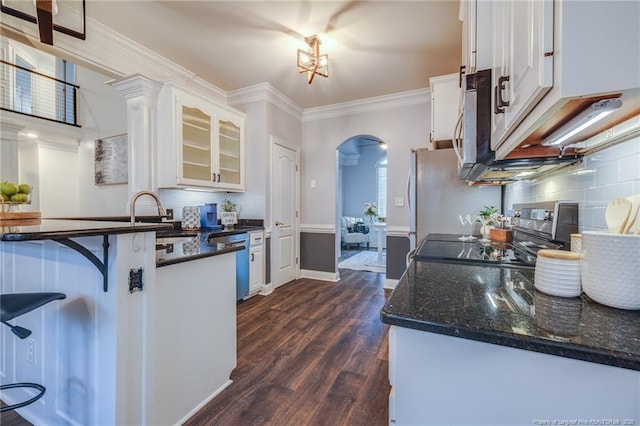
x=45 y=9
x=70 y=20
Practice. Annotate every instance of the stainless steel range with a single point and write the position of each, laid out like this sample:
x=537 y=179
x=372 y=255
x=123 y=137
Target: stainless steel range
x=547 y=224
x=535 y=226
x=449 y=247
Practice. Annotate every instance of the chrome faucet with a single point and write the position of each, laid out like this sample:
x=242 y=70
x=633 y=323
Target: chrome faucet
x=132 y=207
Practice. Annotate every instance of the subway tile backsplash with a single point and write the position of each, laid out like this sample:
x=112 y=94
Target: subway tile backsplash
x=601 y=177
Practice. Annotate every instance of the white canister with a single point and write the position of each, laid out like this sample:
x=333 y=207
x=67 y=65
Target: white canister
x=611 y=269
x=190 y=217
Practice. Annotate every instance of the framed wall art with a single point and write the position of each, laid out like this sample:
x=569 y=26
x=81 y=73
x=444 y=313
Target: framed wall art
x=111 y=160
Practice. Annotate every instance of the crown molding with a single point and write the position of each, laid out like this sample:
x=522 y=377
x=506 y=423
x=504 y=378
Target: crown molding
x=137 y=85
x=109 y=52
x=377 y=103
x=264 y=92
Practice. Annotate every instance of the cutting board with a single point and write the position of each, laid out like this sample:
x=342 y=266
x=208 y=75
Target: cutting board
x=19 y=215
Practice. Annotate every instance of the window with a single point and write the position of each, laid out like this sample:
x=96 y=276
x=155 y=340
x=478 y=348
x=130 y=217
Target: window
x=381 y=186
x=22 y=101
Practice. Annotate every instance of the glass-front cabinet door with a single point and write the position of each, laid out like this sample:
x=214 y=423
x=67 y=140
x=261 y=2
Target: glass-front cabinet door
x=196 y=145
x=229 y=156
x=230 y=159
x=209 y=146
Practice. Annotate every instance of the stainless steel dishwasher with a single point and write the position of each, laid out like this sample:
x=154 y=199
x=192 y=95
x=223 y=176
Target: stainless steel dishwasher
x=242 y=259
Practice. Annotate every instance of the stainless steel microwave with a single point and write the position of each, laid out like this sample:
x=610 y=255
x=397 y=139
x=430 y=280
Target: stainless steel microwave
x=477 y=160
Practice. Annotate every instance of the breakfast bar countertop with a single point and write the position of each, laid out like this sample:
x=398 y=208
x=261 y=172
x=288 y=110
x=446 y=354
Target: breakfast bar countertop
x=44 y=229
x=500 y=305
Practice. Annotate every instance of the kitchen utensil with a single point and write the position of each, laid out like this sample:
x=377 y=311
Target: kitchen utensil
x=617 y=214
x=633 y=216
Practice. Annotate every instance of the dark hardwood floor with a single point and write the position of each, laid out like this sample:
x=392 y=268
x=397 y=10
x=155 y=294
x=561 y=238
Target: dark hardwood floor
x=311 y=353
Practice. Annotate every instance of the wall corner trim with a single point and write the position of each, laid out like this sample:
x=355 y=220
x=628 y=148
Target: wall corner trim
x=398 y=231
x=317 y=228
x=390 y=284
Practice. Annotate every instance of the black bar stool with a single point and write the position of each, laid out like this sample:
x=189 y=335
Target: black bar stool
x=11 y=306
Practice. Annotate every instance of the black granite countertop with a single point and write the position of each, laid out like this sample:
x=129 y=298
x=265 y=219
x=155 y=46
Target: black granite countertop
x=45 y=229
x=500 y=305
x=186 y=246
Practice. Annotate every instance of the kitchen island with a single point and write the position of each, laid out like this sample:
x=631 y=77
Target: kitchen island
x=131 y=344
x=478 y=344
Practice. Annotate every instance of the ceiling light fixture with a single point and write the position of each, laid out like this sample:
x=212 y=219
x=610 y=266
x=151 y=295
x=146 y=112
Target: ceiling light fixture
x=592 y=114
x=313 y=62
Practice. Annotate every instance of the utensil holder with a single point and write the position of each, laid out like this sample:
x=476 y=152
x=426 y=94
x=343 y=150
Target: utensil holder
x=611 y=269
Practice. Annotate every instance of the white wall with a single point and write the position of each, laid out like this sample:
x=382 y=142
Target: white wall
x=102 y=113
x=402 y=127
x=601 y=177
x=264 y=119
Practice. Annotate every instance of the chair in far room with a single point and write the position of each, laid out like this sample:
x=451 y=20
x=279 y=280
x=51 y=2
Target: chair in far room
x=353 y=231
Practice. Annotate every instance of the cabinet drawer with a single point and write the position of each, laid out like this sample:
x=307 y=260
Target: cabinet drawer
x=255 y=238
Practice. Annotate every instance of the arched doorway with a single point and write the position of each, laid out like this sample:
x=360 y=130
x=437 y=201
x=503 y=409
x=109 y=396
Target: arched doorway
x=361 y=179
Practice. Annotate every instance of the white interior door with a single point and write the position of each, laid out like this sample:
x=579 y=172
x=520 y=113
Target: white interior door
x=283 y=214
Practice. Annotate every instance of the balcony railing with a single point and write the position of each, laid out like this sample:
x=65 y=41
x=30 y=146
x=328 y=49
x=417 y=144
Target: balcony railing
x=32 y=93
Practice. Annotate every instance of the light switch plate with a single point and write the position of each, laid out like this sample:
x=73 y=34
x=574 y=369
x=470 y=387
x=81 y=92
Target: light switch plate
x=398 y=202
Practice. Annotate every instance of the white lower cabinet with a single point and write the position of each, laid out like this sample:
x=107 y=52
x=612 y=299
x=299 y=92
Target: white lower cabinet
x=446 y=380
x=256 y=261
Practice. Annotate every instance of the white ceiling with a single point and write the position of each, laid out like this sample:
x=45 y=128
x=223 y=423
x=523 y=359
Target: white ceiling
x=374 y=47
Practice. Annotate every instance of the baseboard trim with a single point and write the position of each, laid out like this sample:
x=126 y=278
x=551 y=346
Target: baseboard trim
x=319 y=275
x=205 y=402
x=390 y=284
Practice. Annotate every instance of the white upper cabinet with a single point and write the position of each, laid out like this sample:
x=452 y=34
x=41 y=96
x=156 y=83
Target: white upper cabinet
x=477 y=43
x=445 y=94
x=554 y=58
x=200 y=143
x=522 y=61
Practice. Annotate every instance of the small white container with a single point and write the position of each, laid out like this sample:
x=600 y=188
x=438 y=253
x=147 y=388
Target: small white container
x=611 y=269
x=558 y=273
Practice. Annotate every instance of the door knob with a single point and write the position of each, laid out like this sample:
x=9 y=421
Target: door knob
x=279 y=223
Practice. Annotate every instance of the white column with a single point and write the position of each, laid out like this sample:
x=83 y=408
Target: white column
x=141 y=94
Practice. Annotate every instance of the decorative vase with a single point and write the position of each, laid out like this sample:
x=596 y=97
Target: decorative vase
x=485 y=230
